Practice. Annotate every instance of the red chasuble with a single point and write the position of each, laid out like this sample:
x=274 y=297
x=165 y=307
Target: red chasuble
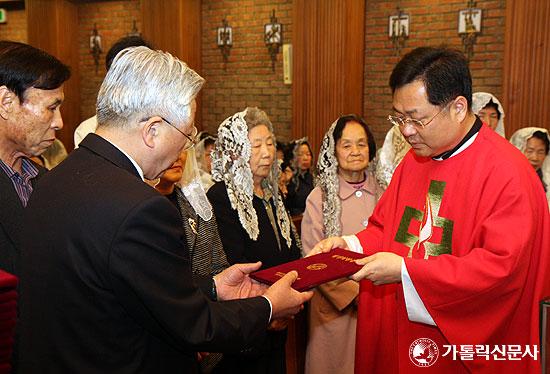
x=475 y=234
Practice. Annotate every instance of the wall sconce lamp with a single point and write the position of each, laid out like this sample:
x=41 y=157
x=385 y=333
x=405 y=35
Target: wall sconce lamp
x=134 y=31
x=469 y=27
x=225 y=39
x=273 y=36
x=398 y=30
x=95 y=46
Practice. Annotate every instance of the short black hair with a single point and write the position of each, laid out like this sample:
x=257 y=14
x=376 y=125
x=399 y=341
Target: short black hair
x=23 y=66
x=544 y=137
x=443 y=71
x=341 y=124
x=208 y=141
x=286 y=164
x=123 y=43
x=286 y=148
x=492 y=104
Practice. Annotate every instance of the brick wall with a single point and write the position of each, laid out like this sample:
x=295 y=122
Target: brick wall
x=114 y=20
x=431 y=23
x=247 y=79
x=16 y=26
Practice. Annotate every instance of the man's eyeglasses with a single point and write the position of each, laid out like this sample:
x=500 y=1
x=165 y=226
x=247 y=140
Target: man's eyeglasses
x=192 y=138
x=418 y=124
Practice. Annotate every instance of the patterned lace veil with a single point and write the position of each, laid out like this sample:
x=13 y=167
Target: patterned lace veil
x=192 y=188
x=230 y=164
x=519 y=140
x=327 y=180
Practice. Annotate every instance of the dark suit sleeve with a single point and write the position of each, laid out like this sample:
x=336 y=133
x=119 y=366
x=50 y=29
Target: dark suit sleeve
x=204 y=283
x=151 y=276
x=229 y=226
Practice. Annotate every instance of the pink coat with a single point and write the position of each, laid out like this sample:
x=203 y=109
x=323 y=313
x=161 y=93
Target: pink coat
x=333 y=313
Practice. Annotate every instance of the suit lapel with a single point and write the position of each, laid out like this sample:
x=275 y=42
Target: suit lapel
x=11 y=213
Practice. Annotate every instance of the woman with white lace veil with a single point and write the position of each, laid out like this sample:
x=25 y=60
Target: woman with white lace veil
x=534 y=143
x=253 y=223
x=340 y=204
x=390 y=155
x=181 y=185
x=203 y=150
x=487 y=107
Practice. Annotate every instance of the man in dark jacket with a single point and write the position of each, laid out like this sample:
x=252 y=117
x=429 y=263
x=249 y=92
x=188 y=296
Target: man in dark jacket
x=31 y=91
x=106 y=280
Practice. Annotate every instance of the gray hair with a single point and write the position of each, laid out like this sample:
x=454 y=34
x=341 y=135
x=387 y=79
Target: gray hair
x=142 y=83
x=255 y=117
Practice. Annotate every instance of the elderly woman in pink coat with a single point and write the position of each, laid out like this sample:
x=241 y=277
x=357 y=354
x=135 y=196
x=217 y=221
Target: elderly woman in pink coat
x=340 y=204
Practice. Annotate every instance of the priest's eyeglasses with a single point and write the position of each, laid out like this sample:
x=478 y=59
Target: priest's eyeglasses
x=192 y=138
x=418 y=124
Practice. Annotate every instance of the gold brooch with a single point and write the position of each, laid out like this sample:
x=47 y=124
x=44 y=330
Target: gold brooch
x=193 y=225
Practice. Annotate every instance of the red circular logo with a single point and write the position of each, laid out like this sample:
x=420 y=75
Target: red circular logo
x=423 y=352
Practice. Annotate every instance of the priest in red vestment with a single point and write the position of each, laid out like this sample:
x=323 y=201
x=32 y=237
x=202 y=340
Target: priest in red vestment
x=458 y=246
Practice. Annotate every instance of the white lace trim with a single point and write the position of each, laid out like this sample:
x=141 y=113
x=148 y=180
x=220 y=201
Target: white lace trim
x=328 y=181
x=480 y=99
x=230 y=164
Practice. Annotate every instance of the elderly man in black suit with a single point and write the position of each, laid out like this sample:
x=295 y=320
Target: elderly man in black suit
x=31 y=91
x=106 y=280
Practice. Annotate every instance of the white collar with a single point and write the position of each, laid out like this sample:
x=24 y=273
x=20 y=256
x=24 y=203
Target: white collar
x=138 y=168
x=462 y=147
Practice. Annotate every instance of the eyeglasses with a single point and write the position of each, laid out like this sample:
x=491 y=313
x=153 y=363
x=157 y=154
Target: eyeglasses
x=402 y=122
x=192 y=138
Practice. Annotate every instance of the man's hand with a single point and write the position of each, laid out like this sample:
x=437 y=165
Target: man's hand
x=326 y=245
x=279 y=324
x=285 y=300
x=380 y=268
x=201 y=356
x=234 y=282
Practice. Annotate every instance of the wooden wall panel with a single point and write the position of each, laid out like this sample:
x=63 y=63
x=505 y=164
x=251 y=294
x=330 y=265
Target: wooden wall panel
x=162 y=24
x=52 y=27
x=526 y=84
x=190 y=15
x=175 y=26
x=328 y=53
x=42 y=25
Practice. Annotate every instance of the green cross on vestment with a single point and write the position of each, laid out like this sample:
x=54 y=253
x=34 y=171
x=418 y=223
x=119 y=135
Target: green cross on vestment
x=431 y=208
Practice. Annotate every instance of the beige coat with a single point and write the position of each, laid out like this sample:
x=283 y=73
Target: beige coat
x=333 y=313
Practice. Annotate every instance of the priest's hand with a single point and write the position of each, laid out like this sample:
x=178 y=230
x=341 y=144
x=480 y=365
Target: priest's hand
x=328 y=244
x=380 y=268
x=234 y=282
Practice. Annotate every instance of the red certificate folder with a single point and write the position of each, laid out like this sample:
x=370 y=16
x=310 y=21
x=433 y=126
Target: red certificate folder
x=313 y=270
